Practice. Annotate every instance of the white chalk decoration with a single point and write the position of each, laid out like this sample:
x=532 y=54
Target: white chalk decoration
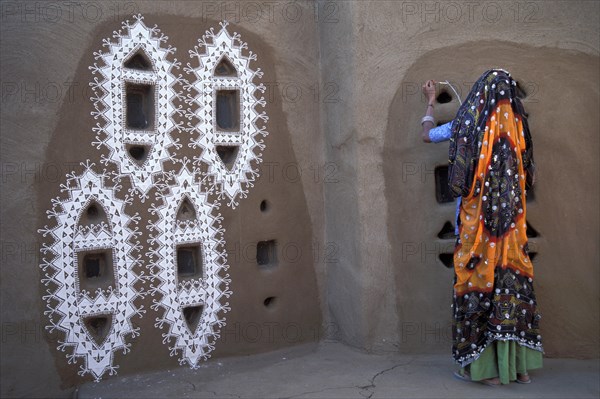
x=186 y=220
x=135 y=73
x=134 y=100
x=223 y=68
x=68 y=304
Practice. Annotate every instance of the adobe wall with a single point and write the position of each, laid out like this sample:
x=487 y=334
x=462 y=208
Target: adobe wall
x=50 y=134
x=348 y=181
x=390 y=291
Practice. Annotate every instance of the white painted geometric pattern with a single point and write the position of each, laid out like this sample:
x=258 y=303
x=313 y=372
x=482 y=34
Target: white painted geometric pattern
x=68 y=304
x=214 y=48
x=208 y=290
x=138 y=60
x=114 y=131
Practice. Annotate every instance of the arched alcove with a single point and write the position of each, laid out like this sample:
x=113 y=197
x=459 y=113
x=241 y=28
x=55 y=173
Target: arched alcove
x=420 y=217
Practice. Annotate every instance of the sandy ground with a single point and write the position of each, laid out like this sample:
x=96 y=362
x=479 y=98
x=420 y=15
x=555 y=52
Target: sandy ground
x=333 y=370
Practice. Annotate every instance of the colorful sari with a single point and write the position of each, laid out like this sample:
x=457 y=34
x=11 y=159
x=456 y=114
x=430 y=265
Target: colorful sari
x=491 y=165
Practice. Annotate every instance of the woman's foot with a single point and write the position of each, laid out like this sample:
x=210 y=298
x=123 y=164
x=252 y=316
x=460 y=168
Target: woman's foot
x=491 y=381
x=465 y=376
x=523 y=378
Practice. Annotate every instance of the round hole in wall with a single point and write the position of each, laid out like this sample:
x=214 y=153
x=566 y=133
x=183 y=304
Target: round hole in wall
x=137 y=152
x=264 y=206
x=269 y=302
x=444 y=97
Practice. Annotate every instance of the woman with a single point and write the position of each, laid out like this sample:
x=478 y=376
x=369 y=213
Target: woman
x=495 y=325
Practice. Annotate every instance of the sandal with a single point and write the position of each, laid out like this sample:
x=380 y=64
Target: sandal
x=463 y=375
x=523 y=379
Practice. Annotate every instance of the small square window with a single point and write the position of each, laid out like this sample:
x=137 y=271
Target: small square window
x=95 y=270
x=228 y=110
x=189 y=262
x=140 y=106
x=443 y=193
x=266 y=253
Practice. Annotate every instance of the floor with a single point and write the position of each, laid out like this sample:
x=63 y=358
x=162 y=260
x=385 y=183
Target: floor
x=333 y=370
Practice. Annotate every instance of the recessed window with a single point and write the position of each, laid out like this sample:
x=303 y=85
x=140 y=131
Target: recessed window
x=98 y=327
x=266 y=253
x=139 y=61
x=269 y=302
x=189 y=262
x=530 y=194
x=93 y=214
x=95 y=270
x=186 y=211
x=228 y=110
x=138 y=153
x=442 y=189
x=225 y=68
x=444 y=97
x=228 y=154
x=140 y=106
x=531 y=232
x=192 y=316
x=447 y=231
x=447 y=260
x=520 y=91
x=264 y=206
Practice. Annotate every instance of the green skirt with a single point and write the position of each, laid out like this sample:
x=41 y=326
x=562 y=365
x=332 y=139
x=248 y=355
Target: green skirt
x=503 y=360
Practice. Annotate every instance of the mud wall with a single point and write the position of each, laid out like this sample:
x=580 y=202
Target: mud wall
x=49 y=124
x=391 y=291
x=349 y=187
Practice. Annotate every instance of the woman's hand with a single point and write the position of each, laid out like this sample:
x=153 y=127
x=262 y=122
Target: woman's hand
x=429 y=90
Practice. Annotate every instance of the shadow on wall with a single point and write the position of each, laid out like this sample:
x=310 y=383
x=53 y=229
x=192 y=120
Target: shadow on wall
x=559 y=91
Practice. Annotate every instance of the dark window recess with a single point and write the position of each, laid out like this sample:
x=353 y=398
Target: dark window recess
x=186 y=211
x=139 y=61
x=140 y=106
x=225 y=68
x=520 y=91
x=531 y=232
x=93 y=265
x=189 y=261
x=98 y=327
x=228 y=110
x=193 y=315
x=447 y=260
x=228 y=154
x=138 y=153
x=266 y=253
x=442 y=189
x=444 y=97
x=530 y=194
x=447 y=231
x=95 y=270
x=93 y=214
x=264 y=206
x=269 y=302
